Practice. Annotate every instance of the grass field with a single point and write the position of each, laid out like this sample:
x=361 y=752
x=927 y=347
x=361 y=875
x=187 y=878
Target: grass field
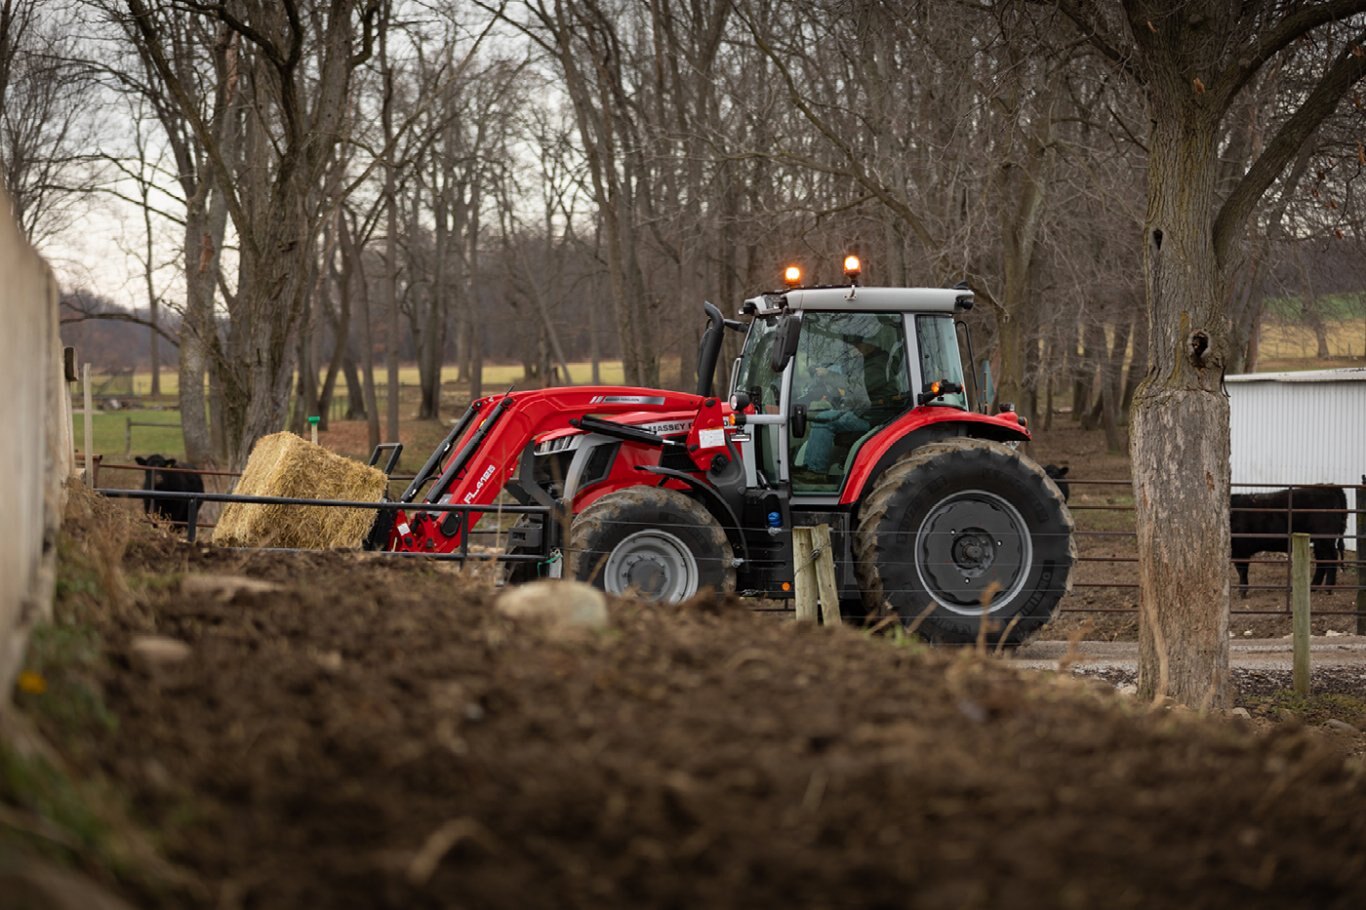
x=1288 y=341
x=1331 y=307
x=142 y=432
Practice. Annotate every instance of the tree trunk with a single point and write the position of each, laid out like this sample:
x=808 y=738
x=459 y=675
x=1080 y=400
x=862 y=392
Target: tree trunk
x=355 y=280
x=1180 y=438
x=1009 y=382
x=258 y=398
x=476 y=336
x=1254 y=343
x=204 y=229
x=1138 y=364
x=392 y=333
x=1093 y=360
x=431 y=345
x=153 y=301
x=1110 y=389
x=339 y=324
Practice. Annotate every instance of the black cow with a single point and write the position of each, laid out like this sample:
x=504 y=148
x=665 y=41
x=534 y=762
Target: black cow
x=1058 y=473
x=1320 y=511
x=173 y=510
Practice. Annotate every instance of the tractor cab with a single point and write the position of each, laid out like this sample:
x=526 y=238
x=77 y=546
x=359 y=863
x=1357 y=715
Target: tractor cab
x=825 y=370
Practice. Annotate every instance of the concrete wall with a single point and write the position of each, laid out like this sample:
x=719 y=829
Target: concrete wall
x=35 y=441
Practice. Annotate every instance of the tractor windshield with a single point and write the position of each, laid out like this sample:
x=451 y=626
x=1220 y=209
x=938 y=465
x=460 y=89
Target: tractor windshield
x=939 y=358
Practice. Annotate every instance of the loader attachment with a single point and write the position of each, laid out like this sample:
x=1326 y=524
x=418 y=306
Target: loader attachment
x=439 y=453
x=493 y=440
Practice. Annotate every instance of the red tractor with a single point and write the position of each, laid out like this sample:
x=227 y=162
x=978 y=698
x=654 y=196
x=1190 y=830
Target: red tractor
x=847 y=408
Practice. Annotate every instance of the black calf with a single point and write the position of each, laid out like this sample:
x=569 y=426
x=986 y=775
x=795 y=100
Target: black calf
x=1058 y=473
x=173 y=510
x=1320 y=511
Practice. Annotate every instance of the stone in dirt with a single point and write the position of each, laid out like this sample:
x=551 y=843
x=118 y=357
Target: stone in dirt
x=224 y=587
x=557 y=602
x=152 y=651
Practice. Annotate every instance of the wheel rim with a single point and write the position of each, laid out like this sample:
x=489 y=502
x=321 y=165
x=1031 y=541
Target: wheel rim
x=653 y=563
x=969 y=542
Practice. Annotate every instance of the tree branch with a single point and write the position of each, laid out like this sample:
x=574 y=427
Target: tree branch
x=1264 y=45
x=1087 y=20
x=121 y=317
x=1347 y=70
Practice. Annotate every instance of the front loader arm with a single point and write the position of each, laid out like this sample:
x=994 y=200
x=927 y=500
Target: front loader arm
x=484 y=450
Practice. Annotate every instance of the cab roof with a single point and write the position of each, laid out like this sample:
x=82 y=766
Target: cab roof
x=864 y=300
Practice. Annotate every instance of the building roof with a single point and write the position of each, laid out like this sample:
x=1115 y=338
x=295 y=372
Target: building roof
x=1347 y=374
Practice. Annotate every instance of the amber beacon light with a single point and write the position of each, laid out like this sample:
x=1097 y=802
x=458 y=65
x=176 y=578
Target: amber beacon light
x=792 y=276
x=852 y=267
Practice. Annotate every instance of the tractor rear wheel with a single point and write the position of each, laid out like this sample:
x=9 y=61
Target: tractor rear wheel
x=963 y=533
x=655 y=542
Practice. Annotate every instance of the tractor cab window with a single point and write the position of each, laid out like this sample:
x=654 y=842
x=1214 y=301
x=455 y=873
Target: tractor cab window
x=850 y=375
x=939 y=358
x=756 y=378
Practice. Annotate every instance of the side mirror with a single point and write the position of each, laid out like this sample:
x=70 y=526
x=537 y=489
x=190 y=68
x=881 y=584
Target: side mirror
x=934 y=389
x=785 y=339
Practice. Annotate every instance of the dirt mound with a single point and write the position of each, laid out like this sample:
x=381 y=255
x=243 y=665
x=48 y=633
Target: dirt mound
x=364 y=732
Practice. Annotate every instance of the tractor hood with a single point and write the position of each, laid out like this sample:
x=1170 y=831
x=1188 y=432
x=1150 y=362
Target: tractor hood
x=671 y=423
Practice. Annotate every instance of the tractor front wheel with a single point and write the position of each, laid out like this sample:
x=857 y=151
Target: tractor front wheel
x=651 y=541
x=962 y=538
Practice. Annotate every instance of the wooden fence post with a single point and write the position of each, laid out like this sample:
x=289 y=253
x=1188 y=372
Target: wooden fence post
x=814 y=561
x=825 y=577
x=1299 y=599
x=804 y=575
x=89 y=425
x=1361 y=557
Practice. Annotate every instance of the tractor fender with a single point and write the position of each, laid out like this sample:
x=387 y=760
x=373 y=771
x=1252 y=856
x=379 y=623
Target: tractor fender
x=914 y=429
x=714 y=503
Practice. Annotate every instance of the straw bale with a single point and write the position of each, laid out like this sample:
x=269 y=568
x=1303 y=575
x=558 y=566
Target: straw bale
x=287 y=465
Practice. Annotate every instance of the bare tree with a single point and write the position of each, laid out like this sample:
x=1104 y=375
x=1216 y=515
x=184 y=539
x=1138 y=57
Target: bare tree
x=1192 y=60
x=44 y=132
x=198 y=66
x=296 y=114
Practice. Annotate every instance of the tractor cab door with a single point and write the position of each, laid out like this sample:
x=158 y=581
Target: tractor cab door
x=850 y=378
x=765 y=455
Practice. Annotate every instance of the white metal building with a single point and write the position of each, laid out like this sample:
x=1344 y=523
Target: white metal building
x=1307 y=427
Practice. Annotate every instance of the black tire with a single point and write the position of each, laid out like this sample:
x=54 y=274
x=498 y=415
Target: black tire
x=653 y=541
x=955 y=522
